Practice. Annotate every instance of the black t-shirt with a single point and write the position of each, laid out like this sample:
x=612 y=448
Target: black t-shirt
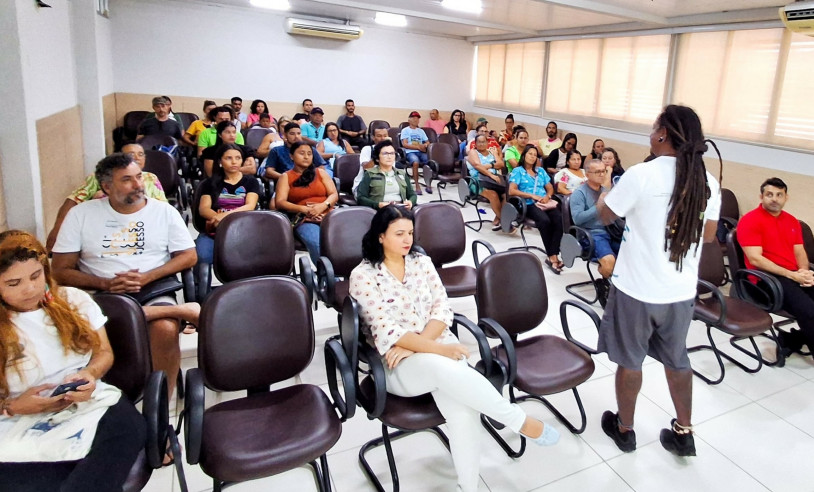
x=209 y=152
x=151 y=126
x=229 y=196
x=351 y=124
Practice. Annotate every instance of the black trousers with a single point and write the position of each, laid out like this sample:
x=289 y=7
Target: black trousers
x=549 y=223
x=119 y=438
x=799 y=302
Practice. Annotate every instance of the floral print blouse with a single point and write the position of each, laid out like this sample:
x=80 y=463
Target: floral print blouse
x=389 y=308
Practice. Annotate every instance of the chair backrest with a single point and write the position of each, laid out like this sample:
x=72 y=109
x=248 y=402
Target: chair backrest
x=187 y=119
x=346 y=167
x=376 y=124
x=152 y=142
x=198 y=222
x=252 y=244
x=164 y=166
x=126 y=329
x=439 y=229
x=734 y=253
x=255 y=332
x=131 y=122
x=511 y=289
x=567 y=220
x=403 y=124
x=711 y=267
x=444 y=155
x=255 y=136
x=432 y=136
x=452 y=140
x=729 y=204
x=340 y=237
x=394 y=134
x=808 y=241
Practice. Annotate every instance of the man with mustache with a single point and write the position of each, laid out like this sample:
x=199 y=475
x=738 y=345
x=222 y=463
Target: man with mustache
x=123 y=242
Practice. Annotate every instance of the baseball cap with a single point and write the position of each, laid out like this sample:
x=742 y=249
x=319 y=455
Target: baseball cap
x=482 y=120
x=317 y=110
x=415 y=114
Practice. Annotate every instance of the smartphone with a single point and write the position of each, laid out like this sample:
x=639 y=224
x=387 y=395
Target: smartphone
x=64 y=388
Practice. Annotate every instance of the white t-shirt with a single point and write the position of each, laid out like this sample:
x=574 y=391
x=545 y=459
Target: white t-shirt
x=44 y=359
x=110 y=242
x=364 y=156
x=571 y=180
x=643 y=269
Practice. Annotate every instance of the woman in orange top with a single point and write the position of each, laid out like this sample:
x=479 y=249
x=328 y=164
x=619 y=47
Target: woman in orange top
x=307 y=194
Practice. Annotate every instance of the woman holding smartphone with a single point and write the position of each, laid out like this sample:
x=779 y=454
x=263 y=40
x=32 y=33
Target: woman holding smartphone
x=50 y=336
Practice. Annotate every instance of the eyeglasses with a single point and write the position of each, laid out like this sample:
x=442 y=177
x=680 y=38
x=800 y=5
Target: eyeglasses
x=601 y=173
x=387 y=154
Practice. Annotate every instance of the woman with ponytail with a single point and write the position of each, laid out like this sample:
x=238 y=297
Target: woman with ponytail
x=670 y=203
x=84 y=439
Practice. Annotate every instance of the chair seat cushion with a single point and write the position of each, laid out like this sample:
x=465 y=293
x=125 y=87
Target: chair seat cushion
x=743 y=319
x=347 y=199
x=265 y=434
x=548 y=364
x=448 y=178
x=459 y=280
x=404 y=413
x=139 y=474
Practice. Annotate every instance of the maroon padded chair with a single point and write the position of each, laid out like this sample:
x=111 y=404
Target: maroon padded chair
x=432 y=136
x=132 y=372
x=449 y=170
x=340 y=239
x=439 y=230
x=252 y=334
x=737 y=318
x=346 y=167
x=537 y=365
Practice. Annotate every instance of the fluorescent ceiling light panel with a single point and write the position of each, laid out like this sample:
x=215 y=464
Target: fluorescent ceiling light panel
x=271 y=4
x=468 y=6
x=388 y=19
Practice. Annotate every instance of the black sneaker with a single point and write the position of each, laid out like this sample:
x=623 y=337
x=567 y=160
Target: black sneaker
x=678 y=444
x=626 y=441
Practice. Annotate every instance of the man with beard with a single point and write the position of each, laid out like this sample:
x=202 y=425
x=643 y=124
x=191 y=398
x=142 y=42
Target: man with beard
x=123 y=242
x=552 y=142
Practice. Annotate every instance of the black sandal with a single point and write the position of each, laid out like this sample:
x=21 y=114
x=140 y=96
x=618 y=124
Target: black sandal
x=557 y=269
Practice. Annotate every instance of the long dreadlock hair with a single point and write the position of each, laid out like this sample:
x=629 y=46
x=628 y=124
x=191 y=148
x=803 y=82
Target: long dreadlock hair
x=685 y=219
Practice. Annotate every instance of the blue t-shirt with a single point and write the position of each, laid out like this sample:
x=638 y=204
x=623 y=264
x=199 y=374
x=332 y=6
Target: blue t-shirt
x=527 y=184
x=312 y=132
x=413 y=136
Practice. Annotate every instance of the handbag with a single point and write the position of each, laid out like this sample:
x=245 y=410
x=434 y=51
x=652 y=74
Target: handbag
x=616 y=229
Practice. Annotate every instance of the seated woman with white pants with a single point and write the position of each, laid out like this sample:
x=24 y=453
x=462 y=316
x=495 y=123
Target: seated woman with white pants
x=406 y=316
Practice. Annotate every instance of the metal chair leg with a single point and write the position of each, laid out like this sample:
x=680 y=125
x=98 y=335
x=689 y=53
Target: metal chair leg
x=719 y=356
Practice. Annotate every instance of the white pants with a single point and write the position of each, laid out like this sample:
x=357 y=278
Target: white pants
x=461 y=394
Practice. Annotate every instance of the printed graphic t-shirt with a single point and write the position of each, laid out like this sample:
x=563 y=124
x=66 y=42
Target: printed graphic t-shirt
x=110 y=242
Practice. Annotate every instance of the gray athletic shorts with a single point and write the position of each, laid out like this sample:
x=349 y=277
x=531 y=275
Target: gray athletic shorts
x=167 y=300
x=632 y=329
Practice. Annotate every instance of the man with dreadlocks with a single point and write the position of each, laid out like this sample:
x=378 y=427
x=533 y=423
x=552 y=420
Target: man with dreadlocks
x=669 y=203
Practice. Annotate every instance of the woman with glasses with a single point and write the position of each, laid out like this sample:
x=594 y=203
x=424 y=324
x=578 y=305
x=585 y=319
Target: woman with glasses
x=557 y=160
x=383 y=184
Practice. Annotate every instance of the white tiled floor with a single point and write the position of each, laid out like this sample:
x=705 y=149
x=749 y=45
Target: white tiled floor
x=755 y=432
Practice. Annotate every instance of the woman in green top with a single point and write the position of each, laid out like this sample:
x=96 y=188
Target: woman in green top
x=511 y=156
x=383 y=184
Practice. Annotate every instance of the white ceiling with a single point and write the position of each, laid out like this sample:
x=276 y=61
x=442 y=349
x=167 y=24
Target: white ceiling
x=507 y=19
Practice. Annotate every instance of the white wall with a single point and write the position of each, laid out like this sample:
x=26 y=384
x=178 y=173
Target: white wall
x=209 y=51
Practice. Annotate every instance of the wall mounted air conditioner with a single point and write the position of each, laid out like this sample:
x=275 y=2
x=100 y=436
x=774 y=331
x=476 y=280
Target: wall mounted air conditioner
x=322 y=29
x=799 y=17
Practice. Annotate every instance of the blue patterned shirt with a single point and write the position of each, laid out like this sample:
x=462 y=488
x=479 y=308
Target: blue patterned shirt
x=527 y=184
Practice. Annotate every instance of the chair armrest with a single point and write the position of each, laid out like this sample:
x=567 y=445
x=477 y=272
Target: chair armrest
x=483 y=344
x=768 y=289
x=564 y=320
x=583 y=235
x=369 y=355
x=708 y=286
x=155 y=408
x=484 y=244
x=520 y=204
x=493 y=329
x=307 y=278
x=194 y=412
x=729 y=222
x=188 y=279
x=326 y=281
x=335 y=358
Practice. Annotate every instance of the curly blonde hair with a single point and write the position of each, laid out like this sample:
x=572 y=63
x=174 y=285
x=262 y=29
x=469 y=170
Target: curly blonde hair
x=74 y=330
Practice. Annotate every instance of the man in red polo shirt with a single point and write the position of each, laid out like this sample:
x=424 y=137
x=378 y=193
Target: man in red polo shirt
x=772 y=241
